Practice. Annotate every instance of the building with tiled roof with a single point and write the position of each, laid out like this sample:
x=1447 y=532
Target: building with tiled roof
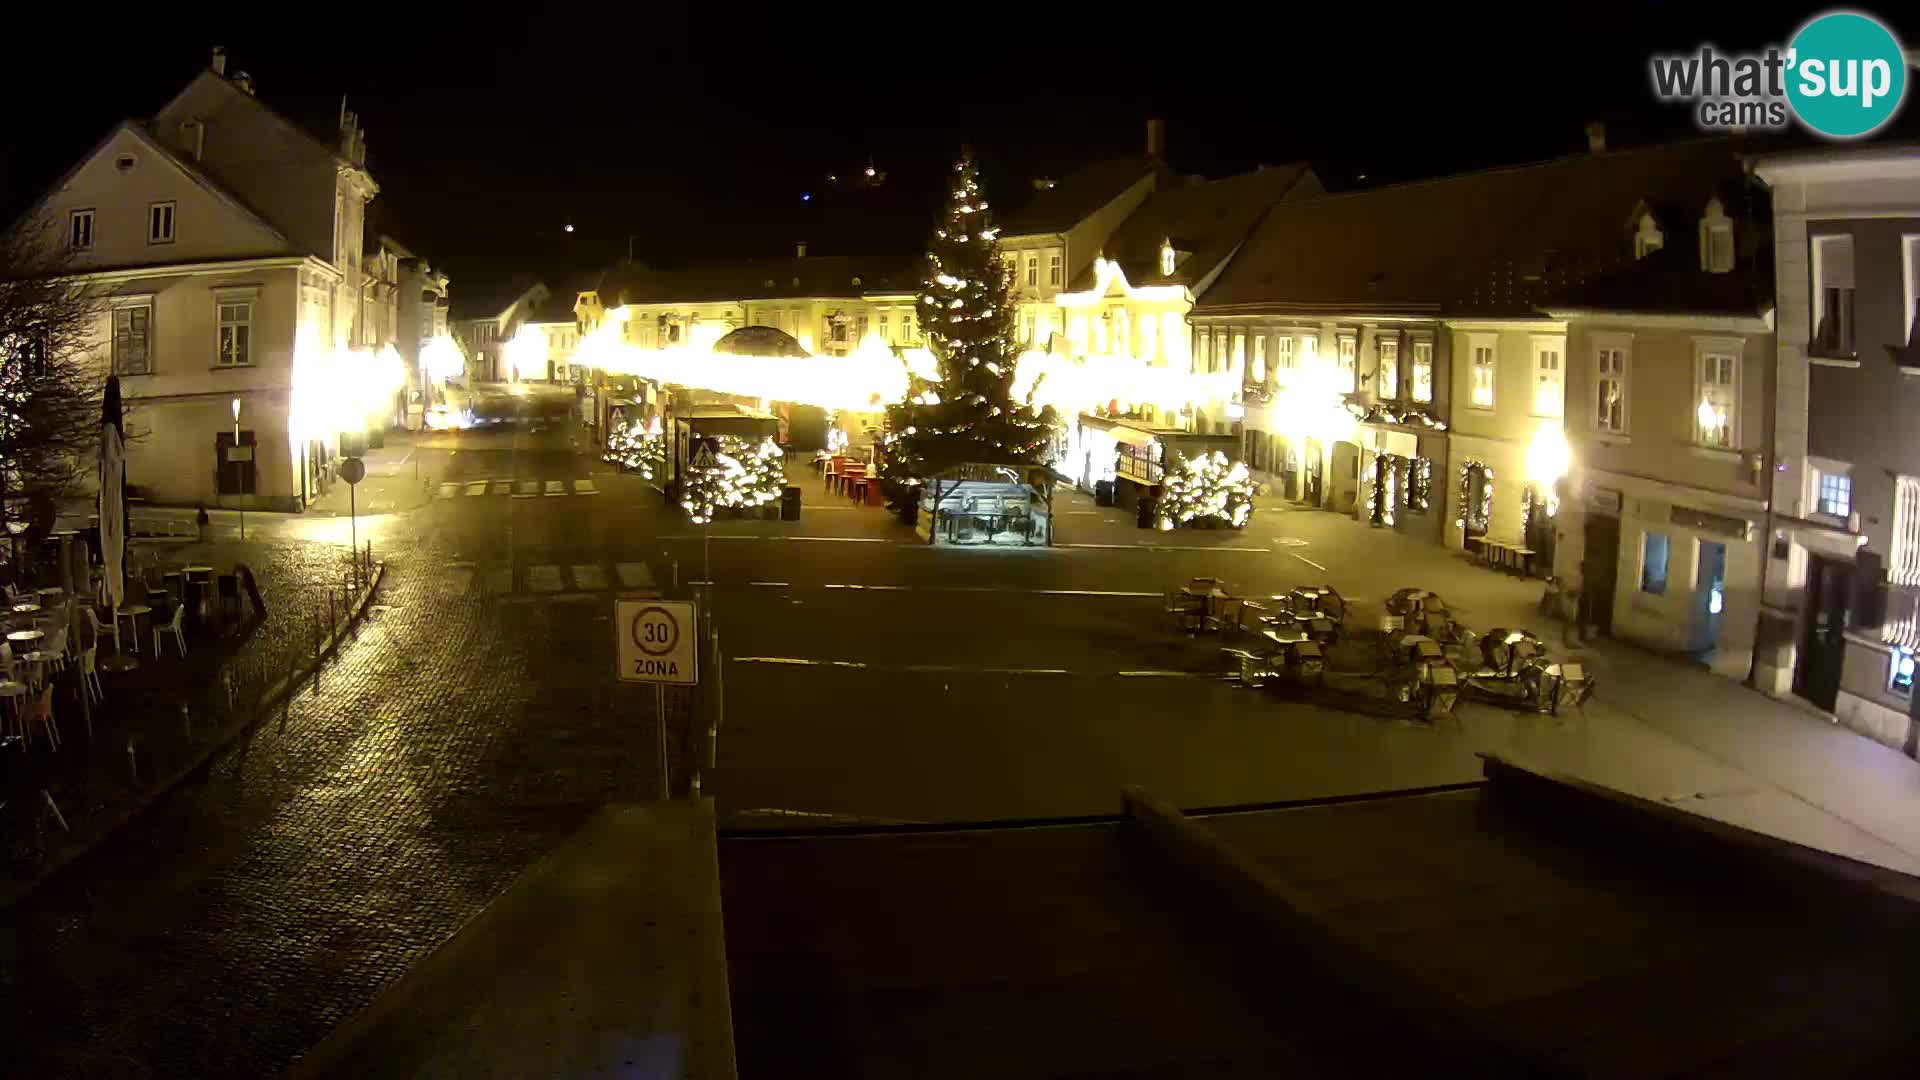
x=1561 y=365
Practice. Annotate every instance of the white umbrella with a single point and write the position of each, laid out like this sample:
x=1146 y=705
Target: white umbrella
x=113 y=500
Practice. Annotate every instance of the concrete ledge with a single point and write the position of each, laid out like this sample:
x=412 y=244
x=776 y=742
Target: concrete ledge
x=1314 y=947
x=275 y=692
x=606 y=957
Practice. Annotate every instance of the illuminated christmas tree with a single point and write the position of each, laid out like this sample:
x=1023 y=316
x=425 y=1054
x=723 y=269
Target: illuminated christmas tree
x=1207 y=489
x=743 y=476
x=969 y=413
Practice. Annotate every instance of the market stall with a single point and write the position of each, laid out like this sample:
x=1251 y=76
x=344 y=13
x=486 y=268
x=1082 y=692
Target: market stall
x=986 y=505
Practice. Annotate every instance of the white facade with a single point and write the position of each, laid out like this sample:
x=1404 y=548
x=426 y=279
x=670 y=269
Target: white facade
x=224 y=245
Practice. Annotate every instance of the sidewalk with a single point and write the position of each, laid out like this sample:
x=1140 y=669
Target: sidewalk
x=141 y=740
x=1657 y=727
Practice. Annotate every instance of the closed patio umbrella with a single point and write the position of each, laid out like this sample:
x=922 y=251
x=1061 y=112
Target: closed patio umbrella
x=113 y=501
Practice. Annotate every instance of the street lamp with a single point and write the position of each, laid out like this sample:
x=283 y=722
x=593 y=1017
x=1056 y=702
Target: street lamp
x=234 y=454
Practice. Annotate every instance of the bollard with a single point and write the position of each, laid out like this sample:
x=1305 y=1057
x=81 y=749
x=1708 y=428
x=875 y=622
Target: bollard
x=330 y=622
x=186 y=720
x=133 y=762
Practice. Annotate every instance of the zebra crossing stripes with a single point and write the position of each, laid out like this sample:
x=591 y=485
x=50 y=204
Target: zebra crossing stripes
x=519 y=489
x=555 y=580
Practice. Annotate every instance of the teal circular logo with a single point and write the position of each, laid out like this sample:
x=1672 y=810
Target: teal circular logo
x=1846 y=74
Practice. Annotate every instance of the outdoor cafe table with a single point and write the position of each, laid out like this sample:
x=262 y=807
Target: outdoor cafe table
x=24 y=636
x=25 y=607
x=132 y=614
x=50 y=593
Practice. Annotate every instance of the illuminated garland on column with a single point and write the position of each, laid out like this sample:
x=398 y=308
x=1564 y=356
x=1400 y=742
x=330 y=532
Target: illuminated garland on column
x=1485 y=516
x=1206 y=487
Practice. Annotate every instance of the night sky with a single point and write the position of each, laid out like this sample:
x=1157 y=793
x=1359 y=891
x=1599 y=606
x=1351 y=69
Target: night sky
x=697 y=140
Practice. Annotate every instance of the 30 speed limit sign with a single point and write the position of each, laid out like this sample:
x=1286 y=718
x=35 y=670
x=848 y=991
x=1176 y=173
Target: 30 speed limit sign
x=655 y=641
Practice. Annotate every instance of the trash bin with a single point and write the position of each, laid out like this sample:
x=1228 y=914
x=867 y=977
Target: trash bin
x=1103 y=493
x=790 y=504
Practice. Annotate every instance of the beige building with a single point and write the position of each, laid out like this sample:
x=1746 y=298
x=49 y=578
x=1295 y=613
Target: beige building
x=225 y=243
x=1055 y=238
x=424 y=314
x=487 y=322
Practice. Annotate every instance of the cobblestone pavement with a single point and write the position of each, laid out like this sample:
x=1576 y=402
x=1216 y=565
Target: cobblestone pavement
x=91 y=781
x=456 y=740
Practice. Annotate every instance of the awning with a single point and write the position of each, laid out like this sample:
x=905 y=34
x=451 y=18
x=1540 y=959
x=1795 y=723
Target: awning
x=1119 y=430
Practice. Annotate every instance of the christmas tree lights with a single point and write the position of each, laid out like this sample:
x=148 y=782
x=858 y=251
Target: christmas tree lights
x=743 y=476
x=1206 y=488
x=969 y=324
x=639 y=446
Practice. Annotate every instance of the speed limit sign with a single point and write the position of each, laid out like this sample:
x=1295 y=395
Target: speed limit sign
x=654 y=640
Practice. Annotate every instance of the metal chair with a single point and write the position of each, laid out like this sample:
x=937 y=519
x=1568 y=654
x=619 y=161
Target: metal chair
x=172 y=627
x=100 y=631
x=39 y=710
x=90 y=675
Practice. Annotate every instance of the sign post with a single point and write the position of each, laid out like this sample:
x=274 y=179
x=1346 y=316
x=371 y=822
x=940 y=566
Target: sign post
x=353 y=470
x=655 y=642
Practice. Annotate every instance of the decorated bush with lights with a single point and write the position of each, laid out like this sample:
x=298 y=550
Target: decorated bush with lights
x=639 y=447
x=744 y=477
x=1207 y=490
x=965 y=412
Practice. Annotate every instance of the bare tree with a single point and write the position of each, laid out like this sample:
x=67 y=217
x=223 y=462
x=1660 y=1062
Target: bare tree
x=50 y=387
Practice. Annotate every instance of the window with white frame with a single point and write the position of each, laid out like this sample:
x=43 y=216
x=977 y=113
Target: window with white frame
x=1346 y=359
x=1716 y=395
x=1166 y=258
x=1549 y=386
x=160 y=223
x=1421 y=371
x=1833 y=284
x=1610 y=387
x=1653 y=563
x=1202 y=351
x=1648 y=238
x=1485 y=365
x=1283 y=353
x=1716 y=239
x=1222 y=359
x=1259 y=370
x=1029 y=325
x=1386 y=379
x=1836 y=493
x=1053 y=270
x=1239 y=354
x=80 y=230
x=1903 y=563
x=235 y=342
x=1033 y=270
x=1013 y=269
x=1910 y=260
x=133 y=339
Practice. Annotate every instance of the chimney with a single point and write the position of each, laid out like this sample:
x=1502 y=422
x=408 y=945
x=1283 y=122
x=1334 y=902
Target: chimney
x=219 y=60
x=800 y=250
x=244 y=81
x=1596 y=137
x=1156 y=137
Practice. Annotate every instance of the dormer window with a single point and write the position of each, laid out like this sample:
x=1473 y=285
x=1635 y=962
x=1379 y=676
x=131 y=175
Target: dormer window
x=1716 y=239
x=1166 y=258
x=1648 y=238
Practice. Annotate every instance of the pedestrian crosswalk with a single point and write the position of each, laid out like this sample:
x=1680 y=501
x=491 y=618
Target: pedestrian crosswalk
x=548 y=579
x=518 y=489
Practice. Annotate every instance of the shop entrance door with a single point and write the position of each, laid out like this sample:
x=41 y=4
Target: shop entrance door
x=1816 y=675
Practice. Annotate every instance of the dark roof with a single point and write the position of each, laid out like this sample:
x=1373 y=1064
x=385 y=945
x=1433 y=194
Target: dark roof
x=760 y=279
x=487 y=300
x=557 y=308
x=1205 y=220
x=1076 y=195
x=1503 y=241
x=1526 y=926
x=1670 y=281
x=759 y=341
